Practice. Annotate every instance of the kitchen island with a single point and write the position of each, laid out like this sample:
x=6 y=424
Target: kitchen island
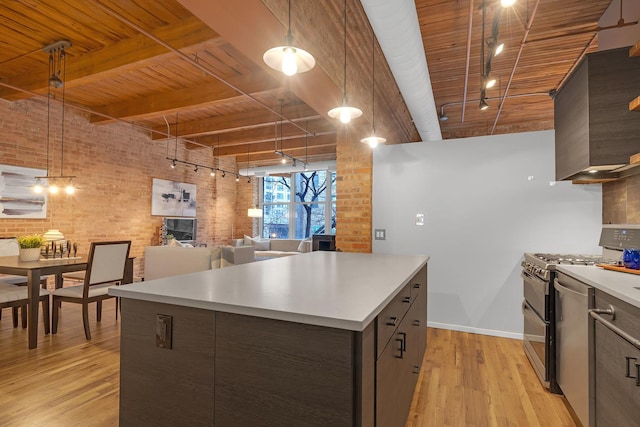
x=324 y=338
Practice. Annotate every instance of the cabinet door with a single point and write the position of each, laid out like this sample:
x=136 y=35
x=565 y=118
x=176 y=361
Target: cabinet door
x=617 y=386
x=393 y=376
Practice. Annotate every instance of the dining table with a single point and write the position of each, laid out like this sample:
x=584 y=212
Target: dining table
x=33 y=270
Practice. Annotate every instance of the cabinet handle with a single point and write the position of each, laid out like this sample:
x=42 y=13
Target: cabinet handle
x=634 y=341
x=404 y=340
x=393 y=321
x=637 y=375
x=401 y=341
x=406 y=300
x=608 y=311
x=629 y=359
x=416 y=323
x=416 y=369
x=416 y=285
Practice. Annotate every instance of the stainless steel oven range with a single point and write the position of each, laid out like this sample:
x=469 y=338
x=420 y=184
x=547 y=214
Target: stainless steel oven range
x=538 y=308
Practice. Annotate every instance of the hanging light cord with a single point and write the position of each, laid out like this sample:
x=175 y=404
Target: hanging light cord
x=62 y=62
x=49 y=107
x=344 y=82
x=373 y=82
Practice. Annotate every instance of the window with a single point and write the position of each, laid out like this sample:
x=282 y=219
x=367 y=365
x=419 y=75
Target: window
x=312 y=210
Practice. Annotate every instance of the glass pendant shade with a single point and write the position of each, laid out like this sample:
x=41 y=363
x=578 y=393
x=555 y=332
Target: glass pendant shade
x=345 y=113
x=373 y=141
x=288 y=59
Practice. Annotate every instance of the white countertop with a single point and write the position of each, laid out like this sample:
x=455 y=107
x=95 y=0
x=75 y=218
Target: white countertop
x=333 y=289
x=624 y=286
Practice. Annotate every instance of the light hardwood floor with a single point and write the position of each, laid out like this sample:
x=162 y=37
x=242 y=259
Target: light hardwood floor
x=467 y=380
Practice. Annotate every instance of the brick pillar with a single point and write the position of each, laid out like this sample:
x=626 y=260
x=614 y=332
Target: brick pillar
x=354 y=191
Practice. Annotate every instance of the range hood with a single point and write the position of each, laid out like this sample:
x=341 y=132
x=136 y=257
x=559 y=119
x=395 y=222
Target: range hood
x=596 y=134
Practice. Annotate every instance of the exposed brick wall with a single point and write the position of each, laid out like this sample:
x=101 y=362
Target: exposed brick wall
x=354 y=192
x=114 y=165
x=621 y=201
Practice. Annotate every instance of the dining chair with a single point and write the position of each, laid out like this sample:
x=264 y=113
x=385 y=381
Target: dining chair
x=17 y=297
x=105 y=268
x=9 y=247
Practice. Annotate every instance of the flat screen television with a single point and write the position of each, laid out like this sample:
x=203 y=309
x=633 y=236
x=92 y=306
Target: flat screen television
x=182 y=229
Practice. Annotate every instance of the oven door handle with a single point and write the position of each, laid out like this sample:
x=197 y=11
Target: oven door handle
x=564 y=290
x=632 y=340
x=530 y=313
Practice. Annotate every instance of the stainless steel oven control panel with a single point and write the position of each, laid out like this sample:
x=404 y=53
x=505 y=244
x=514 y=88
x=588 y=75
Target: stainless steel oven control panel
x=620 y=236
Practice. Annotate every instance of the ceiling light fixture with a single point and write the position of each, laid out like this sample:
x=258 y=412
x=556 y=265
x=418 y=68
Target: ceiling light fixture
x=507 y=3
x=345 y=113
x=498 y=50
x=173 y=164
x=372 y=140
x=483 y=104
x=442 y=116
x=490 y=83
x=288 y=59
x=56 y=77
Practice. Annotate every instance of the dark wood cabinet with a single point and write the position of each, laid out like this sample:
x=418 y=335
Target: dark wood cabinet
x=399 y=363
x=616 y=368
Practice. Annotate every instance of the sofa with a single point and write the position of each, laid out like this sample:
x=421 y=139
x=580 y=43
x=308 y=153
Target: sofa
x=276 y=248
x=167 y=261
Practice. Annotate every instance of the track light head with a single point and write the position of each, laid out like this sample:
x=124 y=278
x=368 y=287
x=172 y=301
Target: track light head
x=173 y=164
x=483 y=104
x=442 y=116
x=212 y=173
x=224 y=174
x=195 y=169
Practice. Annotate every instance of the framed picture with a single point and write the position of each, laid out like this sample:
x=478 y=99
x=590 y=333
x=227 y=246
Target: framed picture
x=171 y=198
x=17 y=198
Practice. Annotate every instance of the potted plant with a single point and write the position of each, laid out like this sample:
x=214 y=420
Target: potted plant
x=30 y=247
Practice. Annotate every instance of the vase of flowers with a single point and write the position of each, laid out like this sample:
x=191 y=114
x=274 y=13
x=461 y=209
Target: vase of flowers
x=30 y=247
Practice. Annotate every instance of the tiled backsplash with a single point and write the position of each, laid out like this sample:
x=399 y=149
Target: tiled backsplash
x=621 y=201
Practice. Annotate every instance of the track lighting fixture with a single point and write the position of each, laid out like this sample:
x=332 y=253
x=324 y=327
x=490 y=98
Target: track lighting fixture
x=288 y=59
x=248 y=180
x=489 y=83
x=498 y=50
x=212 y=173
x=237 y=178
x=173 y=164
x=224 y=174
x=195 y=169
x=507 y=3
x=483 y=104
x=442 y=116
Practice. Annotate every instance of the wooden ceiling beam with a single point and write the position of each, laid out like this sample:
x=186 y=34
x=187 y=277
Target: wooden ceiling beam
x=296 y=144
x=238 y=122
x=199 y=96
x=125 y=55
x=266 y=134
x=325 y=152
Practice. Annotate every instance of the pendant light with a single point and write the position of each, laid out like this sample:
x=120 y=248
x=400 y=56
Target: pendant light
x=373 y=140
x=56 y=78
x=288 y=59
x=345 y=113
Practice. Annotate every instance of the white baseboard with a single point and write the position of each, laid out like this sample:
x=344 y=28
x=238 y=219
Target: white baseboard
x=503 y=334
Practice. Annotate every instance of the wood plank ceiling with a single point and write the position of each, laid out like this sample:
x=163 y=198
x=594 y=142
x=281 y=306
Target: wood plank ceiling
x=200 y=64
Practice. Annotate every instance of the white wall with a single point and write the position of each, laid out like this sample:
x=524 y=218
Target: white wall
x=482 y=212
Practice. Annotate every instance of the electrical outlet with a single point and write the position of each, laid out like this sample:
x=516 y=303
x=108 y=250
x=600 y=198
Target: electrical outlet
x=164 y=325
x=379 y=234
x=419 y=219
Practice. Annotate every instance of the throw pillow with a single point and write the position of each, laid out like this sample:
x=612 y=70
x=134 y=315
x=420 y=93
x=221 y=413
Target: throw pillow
x=248 y=241
x=261 y=245
x=304 y=246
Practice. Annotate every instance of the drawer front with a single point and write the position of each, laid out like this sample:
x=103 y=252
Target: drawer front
x=419 y=283
x=389 y=319
x=627 y=317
